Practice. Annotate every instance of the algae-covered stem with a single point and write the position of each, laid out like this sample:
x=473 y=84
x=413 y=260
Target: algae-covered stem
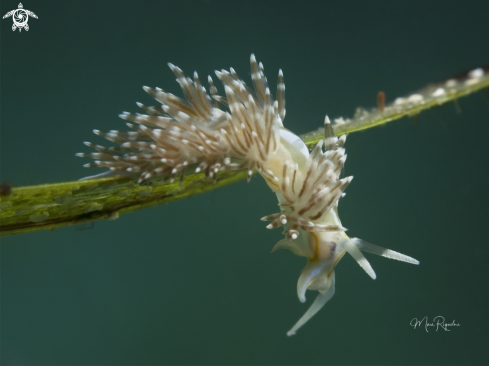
x=67 y=203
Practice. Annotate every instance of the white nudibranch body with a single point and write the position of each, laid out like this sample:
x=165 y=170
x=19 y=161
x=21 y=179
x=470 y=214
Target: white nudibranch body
x=196 y=133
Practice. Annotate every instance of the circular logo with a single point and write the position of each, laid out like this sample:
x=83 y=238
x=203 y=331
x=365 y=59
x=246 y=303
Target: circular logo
x=20 y=17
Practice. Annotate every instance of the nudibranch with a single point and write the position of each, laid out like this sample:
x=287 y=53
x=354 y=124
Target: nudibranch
x=244 y=130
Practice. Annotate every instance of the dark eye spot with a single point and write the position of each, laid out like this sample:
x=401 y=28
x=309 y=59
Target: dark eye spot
x=333 y=247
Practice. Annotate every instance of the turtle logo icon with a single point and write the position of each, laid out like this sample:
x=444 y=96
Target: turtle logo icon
x=20 y=17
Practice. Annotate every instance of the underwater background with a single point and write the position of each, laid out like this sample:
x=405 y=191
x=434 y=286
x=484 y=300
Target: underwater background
x=193 y=281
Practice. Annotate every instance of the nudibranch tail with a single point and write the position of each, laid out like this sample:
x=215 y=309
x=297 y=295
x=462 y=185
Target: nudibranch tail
x=244 y=129
x=194 y=131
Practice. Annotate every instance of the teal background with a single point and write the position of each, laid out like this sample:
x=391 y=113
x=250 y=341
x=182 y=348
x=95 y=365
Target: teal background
x=192 y=282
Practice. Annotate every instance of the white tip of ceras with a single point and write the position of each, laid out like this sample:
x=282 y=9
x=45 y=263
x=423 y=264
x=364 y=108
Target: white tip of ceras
x=327 y=121
x=173 y=67
x=228 y=90
x=252 y=58
x=280 y=73
x=125 y=115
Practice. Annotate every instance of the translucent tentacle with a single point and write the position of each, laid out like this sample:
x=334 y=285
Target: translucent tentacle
x=353 y=250
x=365 y=246
x=320 y=301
